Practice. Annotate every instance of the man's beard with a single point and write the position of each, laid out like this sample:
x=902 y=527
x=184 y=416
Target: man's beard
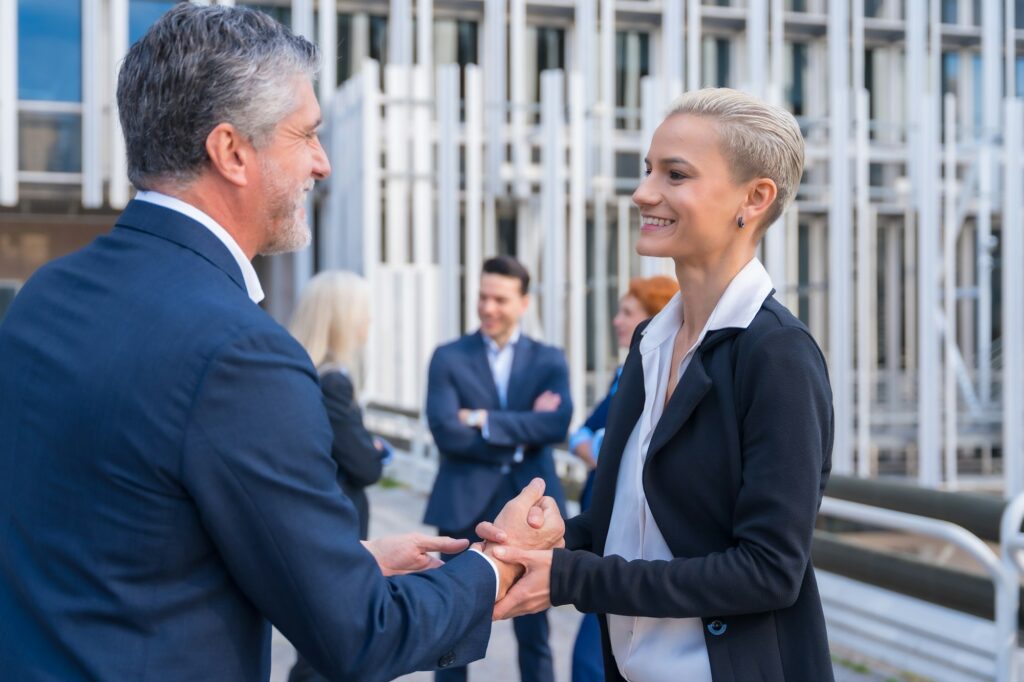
x=288 y=230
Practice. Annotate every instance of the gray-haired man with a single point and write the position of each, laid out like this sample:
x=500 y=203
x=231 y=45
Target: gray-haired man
x=166 y=486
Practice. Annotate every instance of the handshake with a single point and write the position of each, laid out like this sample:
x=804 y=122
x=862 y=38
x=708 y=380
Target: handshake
x=519 y=541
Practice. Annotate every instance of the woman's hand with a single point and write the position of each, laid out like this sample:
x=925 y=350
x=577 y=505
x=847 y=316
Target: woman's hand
x=532 y=592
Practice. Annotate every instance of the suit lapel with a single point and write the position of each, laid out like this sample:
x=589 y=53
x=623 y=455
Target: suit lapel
x=478 y=359
x=522 y=357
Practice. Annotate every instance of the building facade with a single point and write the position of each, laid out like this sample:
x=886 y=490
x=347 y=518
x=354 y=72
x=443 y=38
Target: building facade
x=461 y=128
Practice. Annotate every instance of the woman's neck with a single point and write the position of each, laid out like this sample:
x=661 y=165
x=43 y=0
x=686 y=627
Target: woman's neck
x=701 y=285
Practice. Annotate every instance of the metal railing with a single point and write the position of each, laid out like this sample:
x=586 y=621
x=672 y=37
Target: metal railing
x=1002 y=571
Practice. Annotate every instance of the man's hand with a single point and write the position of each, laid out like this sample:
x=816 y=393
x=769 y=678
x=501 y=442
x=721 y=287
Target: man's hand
x=548 y=401
x=472 y=418
x=398 y=554
x=529 y=521
x=532 y=593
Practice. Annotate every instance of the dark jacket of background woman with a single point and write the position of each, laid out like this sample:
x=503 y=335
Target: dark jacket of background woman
x=734 y=477
x=359 y=462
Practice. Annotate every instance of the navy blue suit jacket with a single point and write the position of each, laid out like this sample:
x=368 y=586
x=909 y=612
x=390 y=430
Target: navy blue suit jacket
x=472 y=467
x=167 y=489
x=734 y=476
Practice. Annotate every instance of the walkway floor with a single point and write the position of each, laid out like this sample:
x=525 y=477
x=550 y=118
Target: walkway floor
x=398 y=510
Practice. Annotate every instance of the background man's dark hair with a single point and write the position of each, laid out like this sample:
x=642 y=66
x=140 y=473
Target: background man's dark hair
x=507 y=266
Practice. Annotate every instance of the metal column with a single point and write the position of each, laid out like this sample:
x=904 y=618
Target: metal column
x=1013 y=312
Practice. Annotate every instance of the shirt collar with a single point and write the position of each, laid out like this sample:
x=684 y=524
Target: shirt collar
x=492 y=346
x=249 y=276
x=735 y=309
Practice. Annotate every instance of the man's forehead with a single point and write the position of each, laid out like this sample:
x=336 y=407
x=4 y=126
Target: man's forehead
x=499 y=283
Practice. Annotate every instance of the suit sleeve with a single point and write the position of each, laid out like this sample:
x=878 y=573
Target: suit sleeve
x=256 y=460
x=512 y=428
x=577 y=532
x=786 y=423
x=451 y=436
x=353 y=449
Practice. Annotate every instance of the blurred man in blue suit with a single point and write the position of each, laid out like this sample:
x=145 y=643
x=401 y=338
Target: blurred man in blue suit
x=496 y=402
x=166 y=485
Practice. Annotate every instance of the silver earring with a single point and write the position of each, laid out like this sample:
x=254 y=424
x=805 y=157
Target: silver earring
x=739 y=221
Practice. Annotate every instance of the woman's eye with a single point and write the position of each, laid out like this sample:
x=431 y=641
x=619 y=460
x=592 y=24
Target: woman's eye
x=647 y=171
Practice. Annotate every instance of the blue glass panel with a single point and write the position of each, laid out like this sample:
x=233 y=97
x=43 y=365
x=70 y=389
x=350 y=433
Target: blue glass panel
x=143 y=13
x=50 y=50
x=50 y=142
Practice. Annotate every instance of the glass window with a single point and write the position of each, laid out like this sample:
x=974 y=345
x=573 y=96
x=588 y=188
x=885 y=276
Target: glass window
x=283 y=13
x=143 y=13
x=50 y=142
x=1020 y=76
x=632 y=62
x=379 y=40
x=7 y=291
x=467 y=36
x=796 y=94
x=50 y=50
x=345 y=57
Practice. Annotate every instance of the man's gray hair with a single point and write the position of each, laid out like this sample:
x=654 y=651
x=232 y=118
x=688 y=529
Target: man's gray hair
x=758 y=140
x=198 y=67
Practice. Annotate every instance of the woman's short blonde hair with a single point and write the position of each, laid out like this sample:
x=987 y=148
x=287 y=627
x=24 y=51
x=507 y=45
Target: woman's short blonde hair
x=332 y=316
x=758 y=140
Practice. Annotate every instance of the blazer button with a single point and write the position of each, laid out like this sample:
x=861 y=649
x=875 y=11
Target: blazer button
x=717 y=627
x=446 y=660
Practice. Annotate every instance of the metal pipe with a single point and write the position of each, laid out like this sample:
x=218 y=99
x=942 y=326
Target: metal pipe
x=448 y=246
x=693 y=44
x=118 y=42
x=577 y=246
x=474 y=191
x=553 y=205
x=1013 y=313
x=949 y=286
x=865 y=284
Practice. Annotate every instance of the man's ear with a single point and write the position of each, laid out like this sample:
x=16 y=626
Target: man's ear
x=231 y=155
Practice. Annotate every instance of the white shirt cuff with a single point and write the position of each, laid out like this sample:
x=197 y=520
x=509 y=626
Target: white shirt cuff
x=494 y=566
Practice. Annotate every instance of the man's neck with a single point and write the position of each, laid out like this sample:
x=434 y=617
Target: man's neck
x=216 y=205
x=502 y=340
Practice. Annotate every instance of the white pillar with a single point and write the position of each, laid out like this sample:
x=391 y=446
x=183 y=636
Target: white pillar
x=423 y=165
x=950 y=232
x=693 y=45
x=577 y=349
x=839 y=229
x=553 y=205
x=1013 y=313
x=775 y=87
x=928 y=365
x=92 y=107
x=673 y=46
x=328 y=40
x=370 y=203
x=517 y=67
x=118 y=41
x=757 y=48
x=494 y=65
x=400 y=33
x=474 y=192
x=425 y=35
x=397 y=159
x=991 y=101
x=865 y=288
x=9 y=103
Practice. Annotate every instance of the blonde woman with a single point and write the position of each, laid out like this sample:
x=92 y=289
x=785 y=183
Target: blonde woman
x=696 y=549
x=332 y=322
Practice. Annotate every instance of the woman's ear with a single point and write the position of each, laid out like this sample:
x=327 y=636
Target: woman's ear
x=761 y=195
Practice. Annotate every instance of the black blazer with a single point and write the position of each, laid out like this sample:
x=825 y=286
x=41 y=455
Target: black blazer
x=359 y=462
x=734 y=477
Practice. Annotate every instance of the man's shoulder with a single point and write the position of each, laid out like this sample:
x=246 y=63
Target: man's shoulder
x=460 y=346
x=543 y=351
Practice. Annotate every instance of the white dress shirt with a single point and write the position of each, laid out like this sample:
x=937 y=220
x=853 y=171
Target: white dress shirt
x=500 y=360
x=658 y=649
x=252 y=281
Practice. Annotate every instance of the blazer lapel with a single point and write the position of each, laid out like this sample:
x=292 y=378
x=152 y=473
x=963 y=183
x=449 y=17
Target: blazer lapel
x=521 y=359
x=478 y=359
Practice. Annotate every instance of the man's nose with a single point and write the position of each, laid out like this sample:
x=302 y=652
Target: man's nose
x=321 y=164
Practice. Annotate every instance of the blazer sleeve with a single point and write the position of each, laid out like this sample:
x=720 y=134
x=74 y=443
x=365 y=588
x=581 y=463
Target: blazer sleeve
x=786 y=424
x=578 y=534
x=256 y=461
x=452 y=437
x=353 y=449
x=513 y=428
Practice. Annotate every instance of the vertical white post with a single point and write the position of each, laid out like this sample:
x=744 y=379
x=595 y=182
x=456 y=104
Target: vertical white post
x=422 y=164
x=1013 y=315
x=9 y=103
x=693 y=46
x=865 y=287
x=929 y=408
x=494 y=64
x=950 y=231
x=517 y=68
x=448 y=198
x=399 y=34
x=577 y=244
x=360 y=50
x=757 y=48
x=474 y=192
x=673 y=45
x=118 y=41
x=92 y=107
x=775 y=86
x=425 y=36
x=1010 y=49
x=990 y=95
x=396 y=121
x=370 y=162
x=606 y=156
x=553 y=204
x=839 y=279
x=328 y=40
x=625 y=253
x=586 y=62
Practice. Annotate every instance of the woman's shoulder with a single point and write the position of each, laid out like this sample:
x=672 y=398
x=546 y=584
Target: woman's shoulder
x=774 y=326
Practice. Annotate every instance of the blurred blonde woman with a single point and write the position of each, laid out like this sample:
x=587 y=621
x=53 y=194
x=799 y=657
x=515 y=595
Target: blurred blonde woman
x=332 y=322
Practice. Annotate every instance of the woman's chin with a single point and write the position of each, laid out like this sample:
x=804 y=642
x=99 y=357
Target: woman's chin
x=654 y=248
